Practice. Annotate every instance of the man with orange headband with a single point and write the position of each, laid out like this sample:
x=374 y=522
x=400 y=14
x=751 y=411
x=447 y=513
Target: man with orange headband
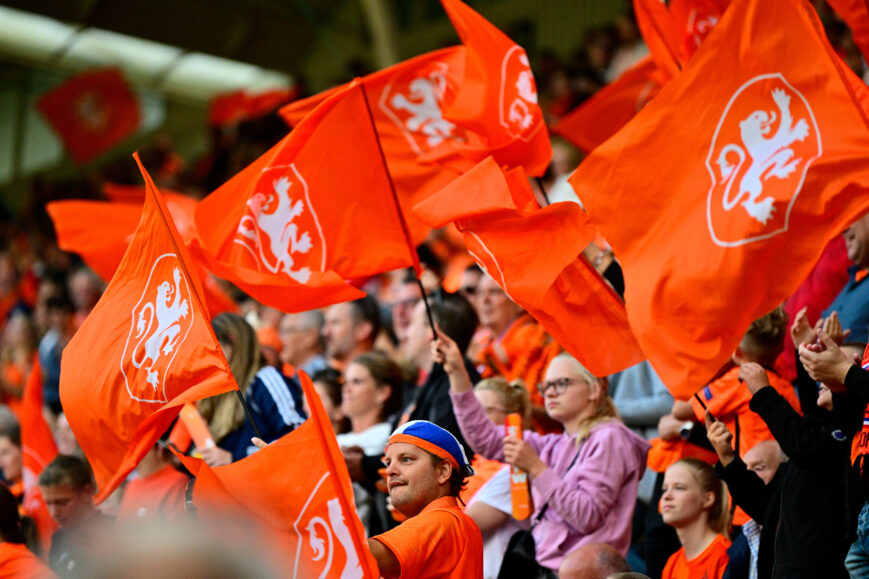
x=426 y=468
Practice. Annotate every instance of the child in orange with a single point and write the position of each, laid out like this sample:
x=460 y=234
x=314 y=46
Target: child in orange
x=727 y=399
x=695 y=504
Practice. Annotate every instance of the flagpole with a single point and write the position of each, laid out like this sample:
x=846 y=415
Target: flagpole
x=416 y=267
x=172 y=231
x=543 y=190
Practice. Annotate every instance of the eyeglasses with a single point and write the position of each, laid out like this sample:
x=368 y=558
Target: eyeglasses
x=559 y=385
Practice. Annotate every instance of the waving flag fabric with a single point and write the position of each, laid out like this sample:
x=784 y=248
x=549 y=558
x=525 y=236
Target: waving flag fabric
x=145 y=349
x=534 y=255
x=601 y=116
x=315 y=210
x=497 y=100
x=102 y=247
x=720 y=195
x=407 y=101
x=91 y=112
x=37 y=450
x=299 y=488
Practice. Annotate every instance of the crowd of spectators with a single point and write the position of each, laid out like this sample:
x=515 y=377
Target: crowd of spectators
x=752 y=478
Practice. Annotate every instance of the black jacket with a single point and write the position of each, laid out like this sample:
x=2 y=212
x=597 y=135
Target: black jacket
x=809 y=509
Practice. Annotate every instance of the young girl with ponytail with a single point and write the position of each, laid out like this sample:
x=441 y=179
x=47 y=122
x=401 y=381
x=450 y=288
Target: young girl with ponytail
x=695 y=503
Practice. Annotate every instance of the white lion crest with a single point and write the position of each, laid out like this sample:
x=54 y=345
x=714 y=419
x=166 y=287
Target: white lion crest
x=770 y=156
x=423 y=102
x=272 y=216
x=165 y=314
x=323 y=544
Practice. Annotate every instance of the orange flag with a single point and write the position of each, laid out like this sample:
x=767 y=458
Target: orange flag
x=534 y=255
x=102 y=248
x=407 y=101
x=316 y=209
x=601 y=116
x=37 y=450
x=720 y=195
x=145 y=350
x=673 y=31
x=497 y=101
x=298 y=487
x=855 y=13
x=91 y=112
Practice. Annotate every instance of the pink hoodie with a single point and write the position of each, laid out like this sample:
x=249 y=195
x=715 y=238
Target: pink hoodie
x=593 y=502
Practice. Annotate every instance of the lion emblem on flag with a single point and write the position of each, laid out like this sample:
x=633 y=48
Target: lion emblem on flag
x=280 y=227
x=325 y=542
x=520 y=115
x=758 y=162
x=414 y=101
x=161 y=321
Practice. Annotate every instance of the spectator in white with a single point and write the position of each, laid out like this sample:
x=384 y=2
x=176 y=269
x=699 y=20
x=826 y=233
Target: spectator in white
x=302 y=342
x=370 y=394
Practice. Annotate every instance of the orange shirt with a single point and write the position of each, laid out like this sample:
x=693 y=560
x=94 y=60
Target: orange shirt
x=159 y=495
x=17 y=562
x=665 y=452
x=726 y=398
x=441 y=541
x=709 y=564
x=522 y=352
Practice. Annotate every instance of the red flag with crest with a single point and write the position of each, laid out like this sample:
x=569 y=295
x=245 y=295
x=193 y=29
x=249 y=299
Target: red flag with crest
x=407 y=101
x=673 y=31
x=103 y=247
x=91 y=112
x=533 y=253
x=313 y=211
x=145 y=350
x=601 y=116
x=778 y=145
x=310 y=510
x=37 y=450
x=497 y=101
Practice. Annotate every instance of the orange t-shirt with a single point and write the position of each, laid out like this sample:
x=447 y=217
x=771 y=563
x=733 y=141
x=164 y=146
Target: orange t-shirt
x=17 y=562
x=441 y=541
x=726 y=398
x=709 y=564
x=159 y=495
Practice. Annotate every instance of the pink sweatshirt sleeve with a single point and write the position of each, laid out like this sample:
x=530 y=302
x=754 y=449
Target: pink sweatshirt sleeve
x=590 y=489
x=483 y=436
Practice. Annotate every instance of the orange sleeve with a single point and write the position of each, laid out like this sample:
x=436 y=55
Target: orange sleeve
x=424 y=542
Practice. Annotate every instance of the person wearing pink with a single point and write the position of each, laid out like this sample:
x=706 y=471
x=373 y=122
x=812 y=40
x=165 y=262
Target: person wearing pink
x=586 y=477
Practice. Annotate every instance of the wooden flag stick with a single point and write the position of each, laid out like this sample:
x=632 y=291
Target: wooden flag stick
x=413 y=255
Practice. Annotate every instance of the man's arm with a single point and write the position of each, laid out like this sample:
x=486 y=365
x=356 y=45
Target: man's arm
x=387 y=562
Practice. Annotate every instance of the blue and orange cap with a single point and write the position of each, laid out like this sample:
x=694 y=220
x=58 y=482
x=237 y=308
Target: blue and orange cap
x=434 y=439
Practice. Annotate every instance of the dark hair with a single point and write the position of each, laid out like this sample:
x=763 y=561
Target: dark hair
x=457 y=481
x=385 y=372
x=366 y=309
x=60 y=302
x=67 y=470
x=331 y=378
x=764 y=339
x=12 y=431
x=456 y=317
x=10 y=519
